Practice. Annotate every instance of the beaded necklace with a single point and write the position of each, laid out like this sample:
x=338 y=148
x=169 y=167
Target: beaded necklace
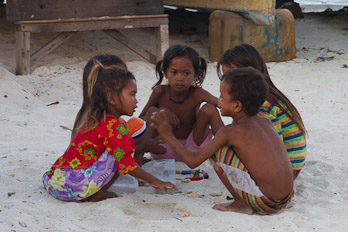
x=183 y=100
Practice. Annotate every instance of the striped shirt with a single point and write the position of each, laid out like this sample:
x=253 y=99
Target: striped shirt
x=294 y=140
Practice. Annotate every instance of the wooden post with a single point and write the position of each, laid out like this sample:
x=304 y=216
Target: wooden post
x=162 y=40
x=22 y=52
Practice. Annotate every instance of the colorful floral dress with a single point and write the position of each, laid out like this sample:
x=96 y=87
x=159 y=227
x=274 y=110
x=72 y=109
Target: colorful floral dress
x=91 y=160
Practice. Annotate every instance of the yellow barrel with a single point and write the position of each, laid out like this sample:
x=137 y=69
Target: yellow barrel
x=275 y=43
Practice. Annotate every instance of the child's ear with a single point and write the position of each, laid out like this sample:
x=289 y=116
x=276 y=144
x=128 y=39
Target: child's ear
x=110 y=97
x=238 y=107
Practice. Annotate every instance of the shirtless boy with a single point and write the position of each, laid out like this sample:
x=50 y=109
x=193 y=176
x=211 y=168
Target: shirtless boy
x=249 y=156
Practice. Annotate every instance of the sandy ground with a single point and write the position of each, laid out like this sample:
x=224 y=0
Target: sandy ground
x=31 y=138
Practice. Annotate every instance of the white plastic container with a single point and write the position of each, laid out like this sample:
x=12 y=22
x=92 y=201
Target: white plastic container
x=125 y=184
x=164 y=170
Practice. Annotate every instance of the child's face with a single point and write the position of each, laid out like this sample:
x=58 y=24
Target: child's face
x=226 y=103
x=129 y=100
x=180 y=74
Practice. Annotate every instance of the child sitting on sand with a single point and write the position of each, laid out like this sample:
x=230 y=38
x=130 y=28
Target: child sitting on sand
x=137 y=127
x=182 y=97
x=250 y=157
x=277 y=106
x=102 y=149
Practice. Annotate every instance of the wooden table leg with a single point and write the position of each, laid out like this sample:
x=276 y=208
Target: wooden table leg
x=162 y=40
x=22 y=52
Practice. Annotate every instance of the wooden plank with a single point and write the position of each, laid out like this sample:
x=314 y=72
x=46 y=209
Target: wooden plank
x=132 y=45
x=87 y=25
x=162 y=41
x=20 y=10
x=50 y=46
x=22 y=52
x=259 y=11
x=128 y=17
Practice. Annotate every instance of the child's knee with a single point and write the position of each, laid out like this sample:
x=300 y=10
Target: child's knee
x=208 y=109
x=149 y=113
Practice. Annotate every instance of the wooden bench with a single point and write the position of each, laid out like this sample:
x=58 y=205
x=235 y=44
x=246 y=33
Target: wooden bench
x=66 y=28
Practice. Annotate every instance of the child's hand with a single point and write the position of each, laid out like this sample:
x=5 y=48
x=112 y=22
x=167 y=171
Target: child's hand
x=159 y=185
x=161 y=123
x=154 y=182
x=156 y=146
x=173 y=119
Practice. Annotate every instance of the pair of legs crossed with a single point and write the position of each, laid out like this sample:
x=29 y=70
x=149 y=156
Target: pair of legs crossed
x=208 y=122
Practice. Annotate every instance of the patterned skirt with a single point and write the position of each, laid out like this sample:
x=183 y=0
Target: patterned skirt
x=69 y=184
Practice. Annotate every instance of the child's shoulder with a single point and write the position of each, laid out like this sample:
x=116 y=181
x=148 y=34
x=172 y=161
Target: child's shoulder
x=158 y=91
x=110 y=120
x=160 y=88
x=198 y=90
x=203 y=95
x=232 y=133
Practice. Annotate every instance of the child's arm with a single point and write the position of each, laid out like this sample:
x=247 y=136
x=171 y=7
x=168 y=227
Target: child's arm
x=156 y=183
x=207 y=97
x=192 y=159
x=153 y=100
x=152 y=105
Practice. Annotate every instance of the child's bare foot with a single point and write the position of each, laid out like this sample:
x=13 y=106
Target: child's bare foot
x=234 y=207
x=99 y=197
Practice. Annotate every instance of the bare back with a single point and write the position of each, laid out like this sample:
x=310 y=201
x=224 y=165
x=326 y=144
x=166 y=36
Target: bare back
x=256 y=143
x=262 y=151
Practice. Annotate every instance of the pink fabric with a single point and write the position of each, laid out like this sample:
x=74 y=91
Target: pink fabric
x=189 y=145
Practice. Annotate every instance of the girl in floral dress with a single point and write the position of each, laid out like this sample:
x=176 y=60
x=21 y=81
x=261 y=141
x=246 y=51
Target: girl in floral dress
x=102 y=149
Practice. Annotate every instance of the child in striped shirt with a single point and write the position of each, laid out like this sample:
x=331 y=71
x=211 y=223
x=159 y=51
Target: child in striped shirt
x=277 y=106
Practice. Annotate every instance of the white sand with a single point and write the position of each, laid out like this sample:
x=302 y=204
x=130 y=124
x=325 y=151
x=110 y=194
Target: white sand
x=31 y=139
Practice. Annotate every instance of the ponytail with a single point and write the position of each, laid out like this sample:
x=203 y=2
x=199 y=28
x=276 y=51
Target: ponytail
x=201 y=71
x=159 y=73
x=101 y=81
x=107 y=60
x=92 y=78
